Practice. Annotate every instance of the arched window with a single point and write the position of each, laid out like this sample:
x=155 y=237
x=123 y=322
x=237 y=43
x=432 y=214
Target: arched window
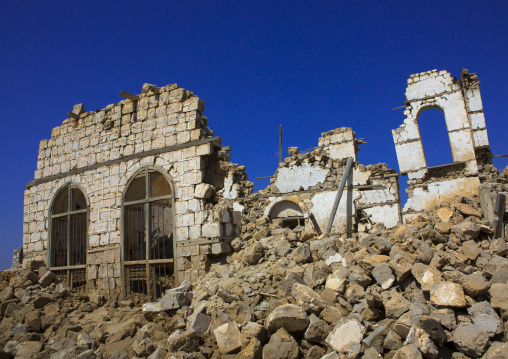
x=148 y=246
x=434 y=135
x=68 y=237
x=287 y=214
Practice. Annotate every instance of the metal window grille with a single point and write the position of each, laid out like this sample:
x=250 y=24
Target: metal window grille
x=68 y=237
x=148 y=245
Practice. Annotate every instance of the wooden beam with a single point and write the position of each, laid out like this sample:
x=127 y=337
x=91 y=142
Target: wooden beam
x=73 y=115
x=128 y=95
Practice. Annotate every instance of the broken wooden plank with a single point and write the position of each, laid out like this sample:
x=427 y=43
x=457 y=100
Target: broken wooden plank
x=128 y=95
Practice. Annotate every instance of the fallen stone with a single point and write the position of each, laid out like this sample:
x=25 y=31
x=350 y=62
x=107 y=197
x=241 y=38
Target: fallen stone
x=174 y=299
x=444 y=214
x=448 y=294
x=499 y=296
x=159 y=353
x=47 y=278
x=426 y=275
x=466 y=230
x=383 y=275
x=337 y=280
x=475 y=284
x=497 y=350
x=281 y=345
x=228 y=337
x=470 y=339
x=185 y=341
x=289 y=316
x=302 y=254
x=346 y=337
x=286 y=284
x=317 y=331
x=29 y=349
x=396 y=306
x=253 y=350
x=467 y=210
x=306 y=298
x=41 y=300
x=408 y=352
x=255 y=330
x=253 y=253
x=485 y=317
x=401 y=264
x=199 y=322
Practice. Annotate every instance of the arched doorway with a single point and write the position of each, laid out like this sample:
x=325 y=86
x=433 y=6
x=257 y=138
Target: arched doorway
x=68 y=237
x=148 y=235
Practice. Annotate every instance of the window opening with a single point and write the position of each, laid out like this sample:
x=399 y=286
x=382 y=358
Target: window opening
x=434 y=135
x=69 y=228
x=148 y=246
x=287 y=214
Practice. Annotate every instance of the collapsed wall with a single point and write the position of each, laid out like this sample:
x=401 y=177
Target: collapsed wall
x=461 y=104
x=304 y=187
x=124 y=197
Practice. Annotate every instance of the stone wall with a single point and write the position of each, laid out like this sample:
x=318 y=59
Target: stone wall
x=460 y=102
x=100 y=151
x=311 y=180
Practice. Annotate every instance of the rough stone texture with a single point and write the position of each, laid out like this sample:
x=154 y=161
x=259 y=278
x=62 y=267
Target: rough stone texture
x=289 y=316
x=470 y=339
x=448 y=294
x=346 y=337
x=228 y=337
x=499 y=296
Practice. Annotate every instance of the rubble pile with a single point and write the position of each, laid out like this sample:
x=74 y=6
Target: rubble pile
x=436 y=287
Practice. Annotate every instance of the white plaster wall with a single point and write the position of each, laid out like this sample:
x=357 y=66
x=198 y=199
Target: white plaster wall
x=322 y=207
x=480 y=138
x=388 y=215
x=439 y=191
x=342 y=150
x=477 y=120
x=295 y=178
x=474 y=100
x=462 y=145
x=410 y=156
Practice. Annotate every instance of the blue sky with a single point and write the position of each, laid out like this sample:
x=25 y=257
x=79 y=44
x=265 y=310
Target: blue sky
x=310 y=66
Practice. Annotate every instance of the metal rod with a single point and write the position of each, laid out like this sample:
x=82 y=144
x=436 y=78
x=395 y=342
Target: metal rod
x=264 y=177
x=280 y=144
x=339 y=194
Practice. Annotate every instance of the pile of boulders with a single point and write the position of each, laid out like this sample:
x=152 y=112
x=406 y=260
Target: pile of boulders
x=436 y=287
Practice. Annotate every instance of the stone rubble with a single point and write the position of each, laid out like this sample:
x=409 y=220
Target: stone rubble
x=419 y=290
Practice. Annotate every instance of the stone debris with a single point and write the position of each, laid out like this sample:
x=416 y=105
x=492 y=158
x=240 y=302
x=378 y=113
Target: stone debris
x=433 y=287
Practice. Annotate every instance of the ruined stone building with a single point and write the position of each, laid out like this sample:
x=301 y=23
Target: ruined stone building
x=137 y=196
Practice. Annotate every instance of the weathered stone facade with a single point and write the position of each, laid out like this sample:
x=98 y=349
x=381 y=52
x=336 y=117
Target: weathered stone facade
x=99 y=152
x=461 y=104
x=305 y=185
x=152 y=175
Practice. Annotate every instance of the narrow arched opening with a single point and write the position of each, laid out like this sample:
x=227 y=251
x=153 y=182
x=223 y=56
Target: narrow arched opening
x=434 y=135
x=148 y=240
x=68 y=237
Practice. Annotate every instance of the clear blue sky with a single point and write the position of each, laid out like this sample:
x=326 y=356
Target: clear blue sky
x=310 y=66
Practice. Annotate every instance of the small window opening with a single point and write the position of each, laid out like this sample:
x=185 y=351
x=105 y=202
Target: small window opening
x=287 y=214
x=148 y=245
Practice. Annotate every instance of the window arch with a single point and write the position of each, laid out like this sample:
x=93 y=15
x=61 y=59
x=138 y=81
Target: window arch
x=68 y=236
x=148 y=234
x=287 y=214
